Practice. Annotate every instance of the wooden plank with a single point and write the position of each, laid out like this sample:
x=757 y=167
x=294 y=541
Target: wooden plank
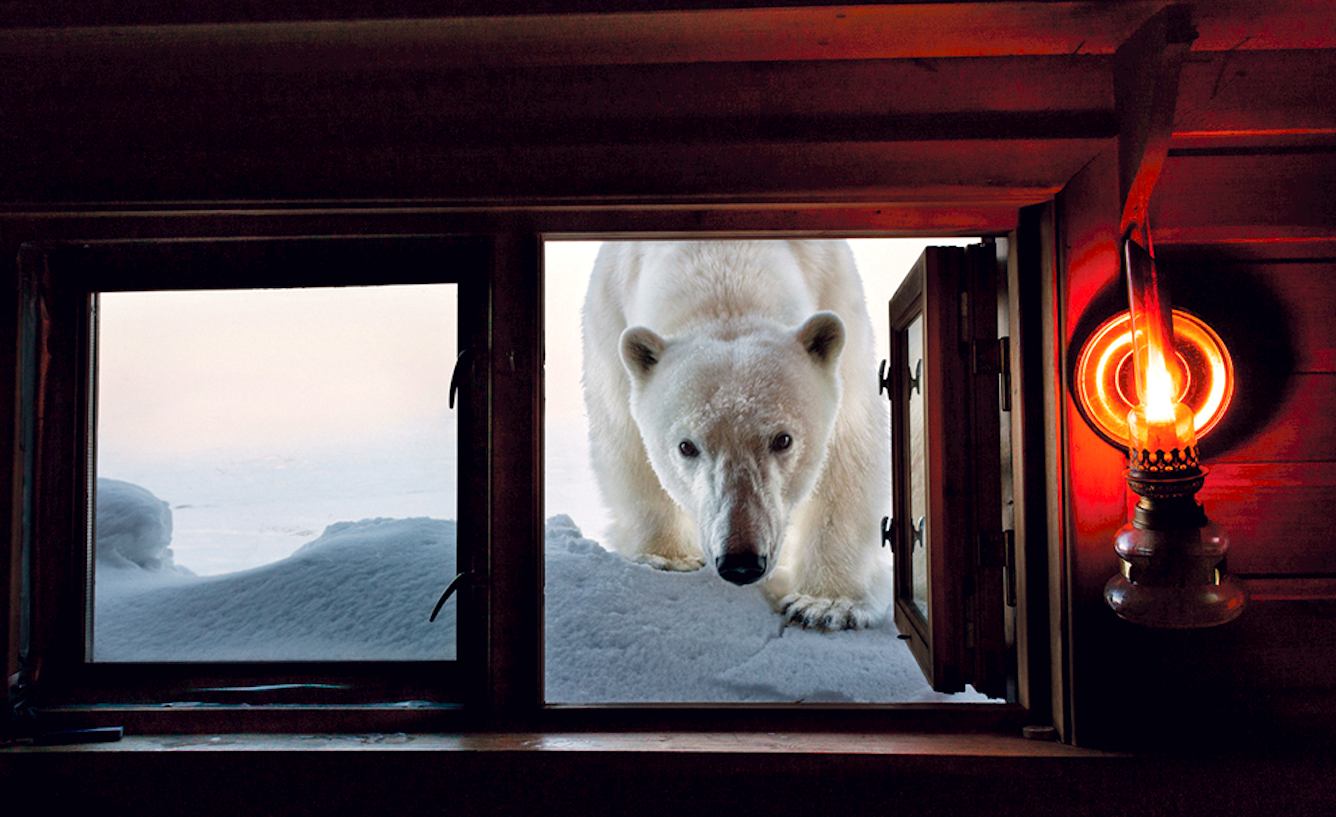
x=1300 y=427
x=1228 y=96
x=441 y=94
x=1308 y=292
x=480 y=35
x=959 y=130
x=1277 y=515
x=1290 y=588
x=984 y=173
x=582 y=31
x=1267 y=195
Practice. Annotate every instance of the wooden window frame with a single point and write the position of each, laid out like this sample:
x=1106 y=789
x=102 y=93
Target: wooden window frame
x=505 y=688
x=60 y=283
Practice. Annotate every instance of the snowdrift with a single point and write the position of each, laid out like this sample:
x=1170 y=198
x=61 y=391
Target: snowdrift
x=361 y=591
x=617 y=632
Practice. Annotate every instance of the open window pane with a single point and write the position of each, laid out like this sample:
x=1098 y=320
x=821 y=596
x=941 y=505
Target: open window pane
x=944 y=377
x=276 y=474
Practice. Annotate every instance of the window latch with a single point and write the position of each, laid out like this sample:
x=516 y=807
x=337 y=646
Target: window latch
x=449 y=590
x=462 y=361
x=884 y=380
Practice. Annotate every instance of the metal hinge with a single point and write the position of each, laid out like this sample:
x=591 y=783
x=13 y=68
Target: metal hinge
x=995 y=356
x=965 y=326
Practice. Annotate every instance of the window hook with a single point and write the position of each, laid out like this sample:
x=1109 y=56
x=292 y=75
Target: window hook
x=449 y=589
x=465 y=354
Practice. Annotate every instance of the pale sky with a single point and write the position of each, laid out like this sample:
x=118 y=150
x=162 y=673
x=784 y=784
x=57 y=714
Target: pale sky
x=186 y=371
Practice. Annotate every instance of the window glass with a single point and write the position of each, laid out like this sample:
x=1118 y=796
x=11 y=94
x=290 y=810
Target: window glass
x=918 y=466
x=626 y=631
x=275 y=474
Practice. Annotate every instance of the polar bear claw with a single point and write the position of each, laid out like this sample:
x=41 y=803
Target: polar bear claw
x=827 y=615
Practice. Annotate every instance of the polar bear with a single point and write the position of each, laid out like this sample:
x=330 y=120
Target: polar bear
x=735 y=420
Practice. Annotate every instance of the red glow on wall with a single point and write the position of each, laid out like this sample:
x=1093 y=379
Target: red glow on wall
x=1105 y=384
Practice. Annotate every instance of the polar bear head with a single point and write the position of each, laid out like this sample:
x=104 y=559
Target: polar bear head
x=736 y=424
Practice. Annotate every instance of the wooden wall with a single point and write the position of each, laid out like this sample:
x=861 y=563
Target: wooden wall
x=1247 y=237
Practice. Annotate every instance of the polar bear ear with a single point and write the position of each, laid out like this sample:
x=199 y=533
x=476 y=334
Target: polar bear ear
x=822 y=336
x=641 y=350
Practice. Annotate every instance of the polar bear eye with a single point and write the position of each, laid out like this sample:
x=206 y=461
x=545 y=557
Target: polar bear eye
x=688 y=449
x=781 y=442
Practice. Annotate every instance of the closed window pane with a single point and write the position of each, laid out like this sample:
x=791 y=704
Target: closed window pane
x=276 y=474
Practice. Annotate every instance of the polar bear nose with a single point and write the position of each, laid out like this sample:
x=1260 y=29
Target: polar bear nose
x=740 y=568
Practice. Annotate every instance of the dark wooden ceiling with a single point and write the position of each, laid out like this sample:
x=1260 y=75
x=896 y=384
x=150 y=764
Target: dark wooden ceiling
x=971 y=104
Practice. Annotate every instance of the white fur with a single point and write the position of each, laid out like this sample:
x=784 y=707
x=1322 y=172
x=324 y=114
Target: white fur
x=720 y=344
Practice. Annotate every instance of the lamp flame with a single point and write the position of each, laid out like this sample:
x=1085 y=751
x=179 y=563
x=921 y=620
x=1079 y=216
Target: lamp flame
x=1158 y=393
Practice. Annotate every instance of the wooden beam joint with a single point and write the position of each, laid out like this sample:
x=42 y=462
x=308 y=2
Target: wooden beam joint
x=1146 y=72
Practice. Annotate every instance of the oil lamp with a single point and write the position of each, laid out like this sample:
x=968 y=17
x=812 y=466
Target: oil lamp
x=1172 y=556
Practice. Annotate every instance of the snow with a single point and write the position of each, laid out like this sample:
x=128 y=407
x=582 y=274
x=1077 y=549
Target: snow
x=360 y=591
x=620 y=632
x=617 y=632
x=134 y=526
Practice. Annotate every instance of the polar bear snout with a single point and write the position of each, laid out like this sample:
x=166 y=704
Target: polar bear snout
x=740 y=568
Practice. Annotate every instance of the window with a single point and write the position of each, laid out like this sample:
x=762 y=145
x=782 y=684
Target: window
x=503 y=657
x=620 y=632
x=233 y=398
x=275 y=474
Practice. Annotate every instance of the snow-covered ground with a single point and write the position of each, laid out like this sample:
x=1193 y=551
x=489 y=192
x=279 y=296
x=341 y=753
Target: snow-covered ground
x=624 y=632
x=616 y=631
x=360 y=591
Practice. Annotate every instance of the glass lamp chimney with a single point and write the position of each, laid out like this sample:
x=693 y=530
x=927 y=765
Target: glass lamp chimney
x=1171 y=556
x=1161 y=432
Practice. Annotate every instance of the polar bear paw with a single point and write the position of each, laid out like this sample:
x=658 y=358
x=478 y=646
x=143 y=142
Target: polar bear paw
x=817 y=613
x=676 y=564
